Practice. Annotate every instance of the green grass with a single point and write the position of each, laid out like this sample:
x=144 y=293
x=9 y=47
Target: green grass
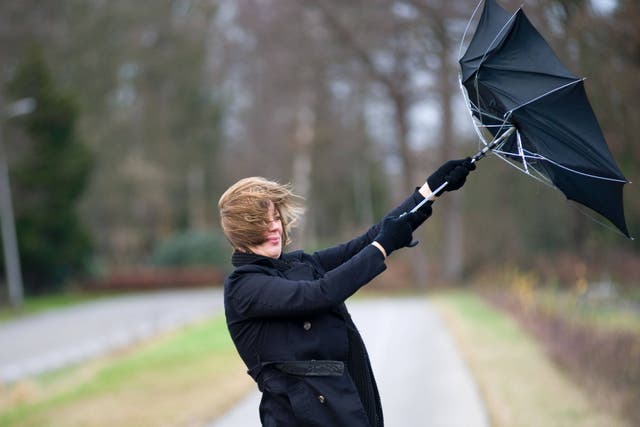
x=173 y=355
x=189 y=376
x=521 y=387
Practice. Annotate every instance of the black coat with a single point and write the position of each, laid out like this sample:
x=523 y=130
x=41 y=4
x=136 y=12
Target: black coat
x=292 y=309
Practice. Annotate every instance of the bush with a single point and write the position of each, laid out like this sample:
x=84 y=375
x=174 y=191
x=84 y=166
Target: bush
x=191 y=249
x=602 y=359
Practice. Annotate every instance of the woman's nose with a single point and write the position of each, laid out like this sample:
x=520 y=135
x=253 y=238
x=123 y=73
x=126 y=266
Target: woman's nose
x=274 y=225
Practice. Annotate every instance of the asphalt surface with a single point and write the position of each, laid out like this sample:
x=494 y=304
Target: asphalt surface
x=51 y=340
x=422 y=379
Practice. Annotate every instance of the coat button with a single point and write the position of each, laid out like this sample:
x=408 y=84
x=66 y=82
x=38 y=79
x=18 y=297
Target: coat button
x=306 y=326
x=322 y=399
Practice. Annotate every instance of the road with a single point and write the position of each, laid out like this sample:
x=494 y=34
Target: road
x=422 y=379
x=51 y=340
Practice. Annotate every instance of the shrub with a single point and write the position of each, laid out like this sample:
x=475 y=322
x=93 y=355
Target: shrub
x=192 y=249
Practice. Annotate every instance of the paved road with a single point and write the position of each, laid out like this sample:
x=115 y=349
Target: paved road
x=51 y=340
x=422 y=379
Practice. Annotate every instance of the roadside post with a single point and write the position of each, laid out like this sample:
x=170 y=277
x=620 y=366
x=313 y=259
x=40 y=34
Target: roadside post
x=9 y=240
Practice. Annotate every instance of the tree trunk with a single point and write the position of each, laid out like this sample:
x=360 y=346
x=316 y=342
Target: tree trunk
x=419 y=268
x=402 y=135
x=452 y=228
x=303 y=141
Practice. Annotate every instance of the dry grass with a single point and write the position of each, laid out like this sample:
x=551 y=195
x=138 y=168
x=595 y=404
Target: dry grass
x=185 y=378
x=520 y=385
x=156 y=402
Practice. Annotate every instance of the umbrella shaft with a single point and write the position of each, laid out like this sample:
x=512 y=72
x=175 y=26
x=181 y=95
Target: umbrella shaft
x=480 y=154
x=426 y=199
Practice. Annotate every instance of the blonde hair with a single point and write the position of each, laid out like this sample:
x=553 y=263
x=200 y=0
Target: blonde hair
x=244 y=209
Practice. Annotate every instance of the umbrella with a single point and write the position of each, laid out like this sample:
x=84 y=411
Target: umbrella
x=531 y=111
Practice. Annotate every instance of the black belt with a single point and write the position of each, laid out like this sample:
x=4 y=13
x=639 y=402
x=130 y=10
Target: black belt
x=312 y=368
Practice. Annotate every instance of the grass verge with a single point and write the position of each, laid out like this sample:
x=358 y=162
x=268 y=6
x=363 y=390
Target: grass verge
x=597 y=344
x=186 y=377
x=521 y=387
x=606 y=315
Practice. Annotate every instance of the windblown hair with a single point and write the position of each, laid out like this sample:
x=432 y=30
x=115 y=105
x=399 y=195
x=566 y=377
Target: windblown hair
x=244 y=210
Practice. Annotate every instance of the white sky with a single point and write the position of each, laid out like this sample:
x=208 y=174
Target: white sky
x=604 y=6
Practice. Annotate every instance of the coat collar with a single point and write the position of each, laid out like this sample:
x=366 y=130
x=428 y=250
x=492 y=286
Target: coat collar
x=239 y=259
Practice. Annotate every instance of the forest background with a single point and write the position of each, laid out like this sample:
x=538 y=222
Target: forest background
x=146 y=112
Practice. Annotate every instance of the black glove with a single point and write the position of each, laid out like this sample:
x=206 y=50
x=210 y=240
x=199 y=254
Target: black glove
x=421 y=215
x=395 y=232
x=454 y=172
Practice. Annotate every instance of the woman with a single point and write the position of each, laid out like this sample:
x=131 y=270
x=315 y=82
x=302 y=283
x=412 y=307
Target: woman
x=286 y=313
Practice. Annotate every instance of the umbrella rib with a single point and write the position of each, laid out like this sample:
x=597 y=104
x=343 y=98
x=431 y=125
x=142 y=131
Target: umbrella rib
x=499 y=67
x=470 y=110
x=541 y=157
x=546 y=181
x=474 y=108
x=492 y=126
x=489 y=115
x=537 y=156
x=529 y=155
x=466 y=30
x=476 y=126
x=595 y=219
x=505 y=124
x=543 y=179
x=521 y=152
x=545 y=94
x=475 y=85
x=496 y=118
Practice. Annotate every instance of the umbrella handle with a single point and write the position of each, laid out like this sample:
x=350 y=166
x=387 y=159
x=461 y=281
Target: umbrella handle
x=479 y=155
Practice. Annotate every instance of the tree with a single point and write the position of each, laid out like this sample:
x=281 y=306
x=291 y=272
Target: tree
x=181 y=99
x=411 y=39
x=152 y=114
x=50 y=176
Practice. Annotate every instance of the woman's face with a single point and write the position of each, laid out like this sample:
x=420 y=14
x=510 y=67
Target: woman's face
x=272 y=246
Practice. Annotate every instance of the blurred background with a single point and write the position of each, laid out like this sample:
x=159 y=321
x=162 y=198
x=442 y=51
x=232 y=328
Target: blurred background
x=143 y=113
x=146 y=114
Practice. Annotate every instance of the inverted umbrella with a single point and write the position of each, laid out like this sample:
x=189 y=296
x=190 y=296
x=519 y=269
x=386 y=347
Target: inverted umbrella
x=530 y=110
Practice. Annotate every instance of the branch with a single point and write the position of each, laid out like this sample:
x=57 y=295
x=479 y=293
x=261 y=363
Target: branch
x=346 y=38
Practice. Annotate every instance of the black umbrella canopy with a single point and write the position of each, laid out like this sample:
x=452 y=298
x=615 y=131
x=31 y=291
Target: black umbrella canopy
x=513 y=78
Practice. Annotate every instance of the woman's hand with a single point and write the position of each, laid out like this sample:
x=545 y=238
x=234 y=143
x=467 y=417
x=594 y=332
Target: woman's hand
x=454 y=172
x=396 y=233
